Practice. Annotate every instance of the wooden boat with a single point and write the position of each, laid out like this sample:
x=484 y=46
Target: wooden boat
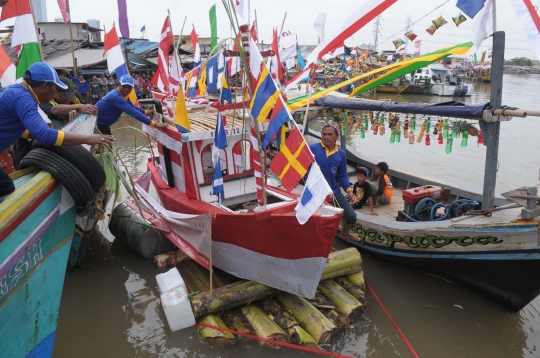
x=443 y=86
x=36 y=229
x=419 y=87
x=497 y=254
x=267 y=246
x=389 y=88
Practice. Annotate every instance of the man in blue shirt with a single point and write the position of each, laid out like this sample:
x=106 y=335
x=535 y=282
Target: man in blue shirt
x=82 y=86
x=111 y=106
x=19 y=111
x=333 y=163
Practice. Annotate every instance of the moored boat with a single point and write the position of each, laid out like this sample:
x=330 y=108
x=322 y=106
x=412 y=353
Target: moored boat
x=37 y=224
x=268 y=246
x=444 y=81
x=390 y=88
x=419 y=87
x=495 y=252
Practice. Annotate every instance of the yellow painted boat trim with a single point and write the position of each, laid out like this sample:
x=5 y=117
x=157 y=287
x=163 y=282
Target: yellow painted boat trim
x=22 y=172
x=20 y=198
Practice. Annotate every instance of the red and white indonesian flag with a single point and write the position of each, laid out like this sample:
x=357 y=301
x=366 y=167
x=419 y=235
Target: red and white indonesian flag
x=196 y=47
x=239 y=6
x=161 y=79
x=356 y=20
x=24 y=33
x=190 y=233
x=7 y=69
x=277 y=71
x=527 y=15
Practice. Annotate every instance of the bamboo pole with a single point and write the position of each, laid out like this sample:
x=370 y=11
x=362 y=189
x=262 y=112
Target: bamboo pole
x=289 y=324
x=37 y=31
x=310 y=319
x=282 y=25
x=72 y=50
x=213 y=336
x=344 y=301
x=264 y=326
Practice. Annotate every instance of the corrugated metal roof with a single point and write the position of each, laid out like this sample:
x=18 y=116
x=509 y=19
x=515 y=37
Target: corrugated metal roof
x=85 y=58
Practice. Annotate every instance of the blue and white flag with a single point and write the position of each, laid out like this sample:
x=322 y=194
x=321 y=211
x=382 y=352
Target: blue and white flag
x=143 y=29
x=313 y=195
x=220 y=143
x=211 y=74
x=470 y=7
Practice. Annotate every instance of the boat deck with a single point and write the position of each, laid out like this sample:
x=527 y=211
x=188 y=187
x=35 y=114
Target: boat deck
x=387 y=212
x=206 y=120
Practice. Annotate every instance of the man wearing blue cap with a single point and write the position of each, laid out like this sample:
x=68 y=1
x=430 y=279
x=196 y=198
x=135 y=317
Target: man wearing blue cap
x=19 y=111
x=111 y=106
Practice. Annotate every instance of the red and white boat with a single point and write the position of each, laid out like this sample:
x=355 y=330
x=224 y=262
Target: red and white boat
x=265 y=245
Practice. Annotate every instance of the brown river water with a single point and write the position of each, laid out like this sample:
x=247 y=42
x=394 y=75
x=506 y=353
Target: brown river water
x=111 y=307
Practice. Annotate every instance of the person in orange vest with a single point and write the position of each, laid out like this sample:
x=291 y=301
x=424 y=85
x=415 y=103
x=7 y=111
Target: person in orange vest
x=382 y=188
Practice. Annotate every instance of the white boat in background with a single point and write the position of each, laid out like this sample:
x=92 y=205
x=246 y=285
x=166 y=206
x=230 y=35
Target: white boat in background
x=443 y=81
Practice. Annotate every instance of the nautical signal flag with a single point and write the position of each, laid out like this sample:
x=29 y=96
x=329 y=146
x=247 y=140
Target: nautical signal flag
x=293 y=160
x=220 y=142
x=265 y=96
x=470 y=7
x=226 y=94
x=181 y=119
x=286 y=33
x=191 y=82
x=280 y=116
x=315 y=192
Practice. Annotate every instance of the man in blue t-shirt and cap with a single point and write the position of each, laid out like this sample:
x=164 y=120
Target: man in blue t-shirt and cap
x=111 y=106
x=19 y=111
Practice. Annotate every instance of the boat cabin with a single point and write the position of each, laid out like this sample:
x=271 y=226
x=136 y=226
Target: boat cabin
x=437 y=74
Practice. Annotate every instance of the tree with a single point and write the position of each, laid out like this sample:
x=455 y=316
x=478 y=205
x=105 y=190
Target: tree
x=519 y=61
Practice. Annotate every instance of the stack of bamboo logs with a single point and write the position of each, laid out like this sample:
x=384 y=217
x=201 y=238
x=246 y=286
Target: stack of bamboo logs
x=252 y=308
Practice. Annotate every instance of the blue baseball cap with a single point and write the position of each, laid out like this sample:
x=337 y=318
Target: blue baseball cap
x=127 y=80
x=43 y=72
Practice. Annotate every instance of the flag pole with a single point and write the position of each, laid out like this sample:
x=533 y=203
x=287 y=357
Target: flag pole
x=72 y=49
x=211 y=270
x=310 y=89
x=37 y=31
x=281 y=31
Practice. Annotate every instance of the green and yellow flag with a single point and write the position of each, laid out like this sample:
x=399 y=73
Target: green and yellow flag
x=392 y=71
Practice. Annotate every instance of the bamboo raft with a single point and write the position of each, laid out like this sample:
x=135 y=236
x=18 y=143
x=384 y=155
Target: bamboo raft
x=255 y=309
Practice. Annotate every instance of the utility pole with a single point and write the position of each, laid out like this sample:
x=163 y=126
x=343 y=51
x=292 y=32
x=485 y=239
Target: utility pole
x=377 y=32
x=408 y=27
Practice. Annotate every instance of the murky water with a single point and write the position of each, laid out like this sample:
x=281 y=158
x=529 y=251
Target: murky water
x=111 y=307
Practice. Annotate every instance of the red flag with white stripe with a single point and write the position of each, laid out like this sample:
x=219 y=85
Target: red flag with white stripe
x=161 y=79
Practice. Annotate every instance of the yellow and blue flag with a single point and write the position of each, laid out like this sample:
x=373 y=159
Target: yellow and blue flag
x=181 y=119
x=226 y=94
x=265 y=96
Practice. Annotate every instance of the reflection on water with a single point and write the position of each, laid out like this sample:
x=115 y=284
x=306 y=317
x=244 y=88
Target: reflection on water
x=111 y=308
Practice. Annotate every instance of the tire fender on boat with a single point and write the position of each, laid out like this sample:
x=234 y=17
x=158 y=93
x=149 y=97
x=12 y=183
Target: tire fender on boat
x=65 y=172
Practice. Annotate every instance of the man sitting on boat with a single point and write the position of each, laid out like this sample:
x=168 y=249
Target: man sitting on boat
x=383 y=189
x=115 y=102
x=65 y=101
x=362 y=190
x=19 y=111
x=333 y=163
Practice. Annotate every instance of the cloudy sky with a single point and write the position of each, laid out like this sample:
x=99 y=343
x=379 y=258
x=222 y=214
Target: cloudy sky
x=300 y=17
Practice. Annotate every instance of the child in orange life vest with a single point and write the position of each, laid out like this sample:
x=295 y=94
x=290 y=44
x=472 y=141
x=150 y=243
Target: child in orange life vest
x=382 y=190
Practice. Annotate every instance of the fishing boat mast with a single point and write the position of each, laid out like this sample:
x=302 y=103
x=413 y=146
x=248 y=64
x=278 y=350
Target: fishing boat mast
x=491 y=130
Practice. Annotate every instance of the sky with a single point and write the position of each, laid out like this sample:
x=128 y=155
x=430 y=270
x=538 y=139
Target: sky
x=300 y=15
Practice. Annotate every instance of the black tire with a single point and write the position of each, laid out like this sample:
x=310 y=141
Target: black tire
x=82 y=159
x=66 y=173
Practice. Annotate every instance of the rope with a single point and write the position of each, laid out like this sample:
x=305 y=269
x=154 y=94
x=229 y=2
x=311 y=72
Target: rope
x=277 y=343
x=393 y=322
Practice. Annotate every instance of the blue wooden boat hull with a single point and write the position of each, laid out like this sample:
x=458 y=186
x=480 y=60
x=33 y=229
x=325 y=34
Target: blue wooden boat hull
x=32 y=275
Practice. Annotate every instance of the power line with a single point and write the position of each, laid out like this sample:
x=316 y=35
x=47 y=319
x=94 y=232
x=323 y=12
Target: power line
x=405 y=29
